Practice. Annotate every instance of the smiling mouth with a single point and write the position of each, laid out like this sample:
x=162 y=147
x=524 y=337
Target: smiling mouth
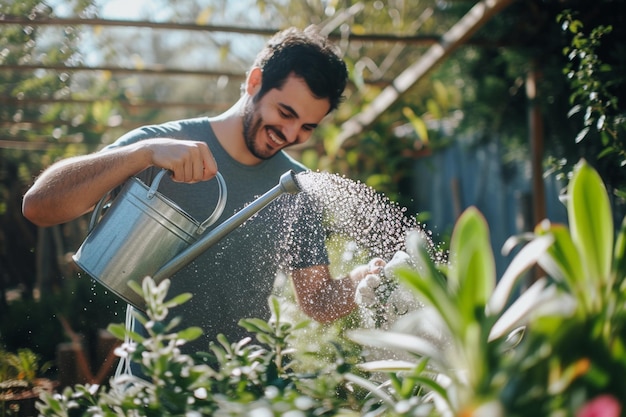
x=274 y=138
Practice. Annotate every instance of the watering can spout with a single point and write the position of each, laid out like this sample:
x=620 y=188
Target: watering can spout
x=288 y=183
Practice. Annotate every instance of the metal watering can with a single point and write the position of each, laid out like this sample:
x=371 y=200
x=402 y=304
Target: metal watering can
x=143 y=233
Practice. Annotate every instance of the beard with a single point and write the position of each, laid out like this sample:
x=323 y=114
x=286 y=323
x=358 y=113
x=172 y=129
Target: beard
x=251 y=127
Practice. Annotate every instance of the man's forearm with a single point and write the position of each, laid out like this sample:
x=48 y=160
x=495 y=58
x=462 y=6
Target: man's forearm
x=71 y=187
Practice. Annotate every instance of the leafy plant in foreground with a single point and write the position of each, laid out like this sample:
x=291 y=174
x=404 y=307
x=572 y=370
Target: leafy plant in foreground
x=556 y=350
x=231 y=380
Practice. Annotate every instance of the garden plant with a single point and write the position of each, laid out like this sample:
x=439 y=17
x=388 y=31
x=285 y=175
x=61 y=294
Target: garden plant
x=479 y=346
x=555 y=350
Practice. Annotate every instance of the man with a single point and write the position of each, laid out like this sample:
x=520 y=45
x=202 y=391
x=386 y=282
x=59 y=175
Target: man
x=295 y=81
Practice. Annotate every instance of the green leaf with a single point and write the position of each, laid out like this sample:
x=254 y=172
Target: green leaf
x=434 y=387
x=563 y=261
x=472 y=268
x=391 y=365
x=275 y=306
x=591 y=223
x=255 y=325
x=117 y=330
x=518 y=313
x=374 y=389
x=441 y=95
x=136 y=287
x=619 y=255
x=430 y=291
x=302 y=325
x=418 y=124
x=525 y=259
x=178 y=300
x=397 y=341
x=581 y=135
x=190 y=333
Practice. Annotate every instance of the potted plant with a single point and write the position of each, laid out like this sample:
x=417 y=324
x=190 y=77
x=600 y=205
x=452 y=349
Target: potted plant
x=20 y=382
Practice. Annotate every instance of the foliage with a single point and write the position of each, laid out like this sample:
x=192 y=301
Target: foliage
x=555 y=348
x=22 y=366
x=231 y=379
x=21 y=381
x=31 y=126
x=36 y=323
x=595 y=70
x=476 y=349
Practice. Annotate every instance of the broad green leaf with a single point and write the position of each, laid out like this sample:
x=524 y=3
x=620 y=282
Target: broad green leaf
x=391 y=365
x=563 y=261
x=525 y=259
x=399 y=342
x=472 y=267
x=418 y=247
x=591 y=223
x=430 y=292
x=518 y=313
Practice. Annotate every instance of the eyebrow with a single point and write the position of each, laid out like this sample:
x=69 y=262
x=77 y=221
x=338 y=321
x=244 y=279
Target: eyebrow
x=295 y=114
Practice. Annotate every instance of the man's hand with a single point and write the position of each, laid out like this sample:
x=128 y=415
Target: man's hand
x=367 y=279
x=400 y=259
x=189 y=161
x=366 y=290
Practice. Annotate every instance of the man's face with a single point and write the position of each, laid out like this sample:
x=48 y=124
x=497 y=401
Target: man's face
x=282 y=118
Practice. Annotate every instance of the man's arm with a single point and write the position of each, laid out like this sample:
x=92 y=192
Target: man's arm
x=71 y=187
x=324 y=298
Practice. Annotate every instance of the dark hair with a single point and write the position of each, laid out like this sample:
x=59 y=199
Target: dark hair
x=309 y=55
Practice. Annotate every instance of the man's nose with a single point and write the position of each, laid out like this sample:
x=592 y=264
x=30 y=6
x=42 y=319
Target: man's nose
x=291 y=132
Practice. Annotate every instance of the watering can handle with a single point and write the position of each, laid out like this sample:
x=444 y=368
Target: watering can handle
x=219 y=207
x=96 y=212
x=217 y=212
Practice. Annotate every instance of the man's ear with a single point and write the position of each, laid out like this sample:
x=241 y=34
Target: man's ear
x=253 y=82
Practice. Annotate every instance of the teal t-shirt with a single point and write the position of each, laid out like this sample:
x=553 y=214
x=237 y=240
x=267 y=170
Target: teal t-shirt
x=234 y=278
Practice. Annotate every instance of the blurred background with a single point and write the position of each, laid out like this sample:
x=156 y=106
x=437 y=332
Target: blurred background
x=451 y=104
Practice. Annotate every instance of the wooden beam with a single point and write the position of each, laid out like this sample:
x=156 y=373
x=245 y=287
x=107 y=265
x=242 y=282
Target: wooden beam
x=155 y=70
x=380 y=37
x=139 y=103
x=455 y=37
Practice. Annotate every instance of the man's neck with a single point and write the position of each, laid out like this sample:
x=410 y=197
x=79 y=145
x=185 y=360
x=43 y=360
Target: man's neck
x=228 y=128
